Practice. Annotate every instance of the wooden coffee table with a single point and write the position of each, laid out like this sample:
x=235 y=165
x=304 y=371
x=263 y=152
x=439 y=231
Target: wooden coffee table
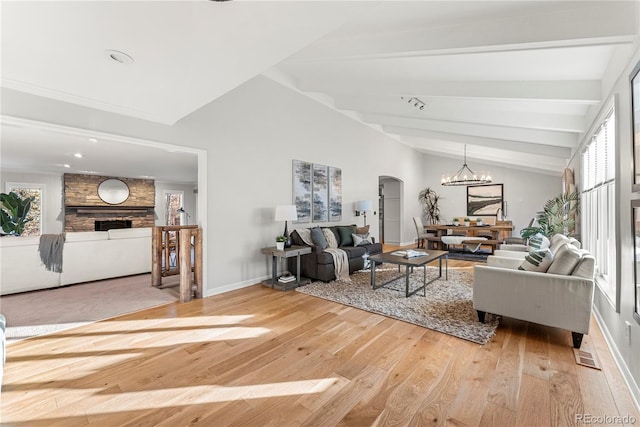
x=409 y=264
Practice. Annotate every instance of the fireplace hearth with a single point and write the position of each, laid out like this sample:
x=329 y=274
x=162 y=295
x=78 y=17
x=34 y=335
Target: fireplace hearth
x=110 y=224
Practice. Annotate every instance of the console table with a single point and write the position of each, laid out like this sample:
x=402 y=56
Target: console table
x=293 y=251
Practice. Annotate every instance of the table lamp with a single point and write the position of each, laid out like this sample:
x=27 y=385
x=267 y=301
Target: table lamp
x=286 y=213
x=362 y=207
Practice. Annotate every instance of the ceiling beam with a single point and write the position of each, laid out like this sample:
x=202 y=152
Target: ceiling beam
x=490 y=156
x=583 y=92
x=485 y=142
x=532 y=136
x=484 y=113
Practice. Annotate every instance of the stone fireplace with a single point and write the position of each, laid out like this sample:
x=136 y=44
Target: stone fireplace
x=85 y=210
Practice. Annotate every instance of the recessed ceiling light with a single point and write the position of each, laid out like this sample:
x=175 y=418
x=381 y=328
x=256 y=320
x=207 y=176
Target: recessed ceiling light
x=93 y=140
x=78 y=155
x=66 y=165
x=118 y=56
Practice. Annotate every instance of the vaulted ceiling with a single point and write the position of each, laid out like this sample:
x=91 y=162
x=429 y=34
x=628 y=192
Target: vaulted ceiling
x=511 y=80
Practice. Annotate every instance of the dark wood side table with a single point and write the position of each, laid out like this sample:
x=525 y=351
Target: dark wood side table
x=293 y=251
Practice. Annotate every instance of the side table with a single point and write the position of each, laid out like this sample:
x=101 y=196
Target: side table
x=293 y=251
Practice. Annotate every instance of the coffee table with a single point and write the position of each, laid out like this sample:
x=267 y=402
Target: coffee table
x=410 y=263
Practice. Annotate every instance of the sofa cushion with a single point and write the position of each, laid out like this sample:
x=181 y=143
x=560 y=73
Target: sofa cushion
x=345 y=232
x=317 y=236
x=84 y=236
x=539 y=241
x=557 y=240
x=354 y=252
x=330 y=237
x=128 y=233
x=537 y=260
x=362 y=230
x=586 y=266
x=565 y=260
x=361 y=239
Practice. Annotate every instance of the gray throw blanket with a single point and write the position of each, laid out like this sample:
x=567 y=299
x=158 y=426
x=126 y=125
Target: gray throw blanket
x=50 y=249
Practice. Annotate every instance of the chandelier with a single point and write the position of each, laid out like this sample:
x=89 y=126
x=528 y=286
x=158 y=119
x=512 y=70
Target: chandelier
x=465 y=176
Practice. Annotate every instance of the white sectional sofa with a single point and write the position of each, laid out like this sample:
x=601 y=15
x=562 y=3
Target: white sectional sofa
x=563 y=300
x=86 y=256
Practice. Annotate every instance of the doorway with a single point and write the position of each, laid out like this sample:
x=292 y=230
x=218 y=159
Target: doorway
x=390 y=191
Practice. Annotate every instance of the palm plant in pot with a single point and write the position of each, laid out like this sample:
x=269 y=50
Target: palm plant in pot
x=557 y=217
x=14 y=211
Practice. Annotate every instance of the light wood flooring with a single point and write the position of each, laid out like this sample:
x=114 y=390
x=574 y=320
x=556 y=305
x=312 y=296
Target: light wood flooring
x=258 y=357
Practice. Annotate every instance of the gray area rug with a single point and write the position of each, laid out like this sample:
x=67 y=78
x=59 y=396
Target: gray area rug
x=39 y=312
x=447 y=307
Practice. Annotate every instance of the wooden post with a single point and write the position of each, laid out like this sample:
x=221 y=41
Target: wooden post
x=156 y=256
x=186 y=292
x=198 y=262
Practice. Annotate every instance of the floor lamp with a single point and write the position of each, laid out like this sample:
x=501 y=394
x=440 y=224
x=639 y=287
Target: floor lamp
x=182 y=211
x=286 y=213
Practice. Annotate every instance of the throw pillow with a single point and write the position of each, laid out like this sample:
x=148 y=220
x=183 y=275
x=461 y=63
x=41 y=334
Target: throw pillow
x=362 y=230
x=539 y=241
x=330 y=237
x=318 y=238
x=361 y=239
x=537 y=260
x=345 y=232
x=565 y=260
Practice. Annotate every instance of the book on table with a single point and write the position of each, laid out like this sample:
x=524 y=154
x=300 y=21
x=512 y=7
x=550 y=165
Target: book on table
x=287 y=279
x=409 y=253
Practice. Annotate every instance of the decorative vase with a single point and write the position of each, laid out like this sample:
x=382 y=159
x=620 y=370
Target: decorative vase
x=280 y=246
x=466 y=223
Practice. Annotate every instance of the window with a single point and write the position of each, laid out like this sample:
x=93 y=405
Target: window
x=33 y=227
x=173 y=201
x=598 y=203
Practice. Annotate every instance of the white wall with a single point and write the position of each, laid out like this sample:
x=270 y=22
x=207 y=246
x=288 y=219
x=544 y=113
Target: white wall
x=52 y=216
x=626 y=348
x=525 y=192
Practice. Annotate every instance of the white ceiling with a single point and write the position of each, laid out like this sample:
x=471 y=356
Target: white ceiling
x=512 y=80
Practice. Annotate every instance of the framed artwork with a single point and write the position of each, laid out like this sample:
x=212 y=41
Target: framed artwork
x=635 y=124
x=320 y=194
x=484 y=199
x=335 y=194
x=635 y=218
x=302 y=190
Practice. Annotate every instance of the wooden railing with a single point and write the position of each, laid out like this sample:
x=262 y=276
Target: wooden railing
x=173 y=247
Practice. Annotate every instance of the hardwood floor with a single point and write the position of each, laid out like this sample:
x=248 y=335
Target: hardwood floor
x=258 y=356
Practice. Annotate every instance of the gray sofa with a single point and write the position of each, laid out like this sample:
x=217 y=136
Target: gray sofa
x=318 y=265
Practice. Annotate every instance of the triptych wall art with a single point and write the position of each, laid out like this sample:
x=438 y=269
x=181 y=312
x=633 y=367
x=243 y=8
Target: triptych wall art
x=317 y=192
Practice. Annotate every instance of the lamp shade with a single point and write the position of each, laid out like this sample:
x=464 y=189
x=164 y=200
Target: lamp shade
x=286 y=213
x=364 y=205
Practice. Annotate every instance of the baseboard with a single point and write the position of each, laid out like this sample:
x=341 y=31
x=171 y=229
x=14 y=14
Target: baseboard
x=234 y=286
x=631 y=383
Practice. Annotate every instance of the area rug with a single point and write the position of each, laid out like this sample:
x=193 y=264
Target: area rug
x=39 y=312
x=447 y=307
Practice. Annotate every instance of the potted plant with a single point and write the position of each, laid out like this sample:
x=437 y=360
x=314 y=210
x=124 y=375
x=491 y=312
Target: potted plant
x=557 y=217
x=280 y=241
x=478 y=221
x=456 y=222
x=13 y=213
x=467 y=221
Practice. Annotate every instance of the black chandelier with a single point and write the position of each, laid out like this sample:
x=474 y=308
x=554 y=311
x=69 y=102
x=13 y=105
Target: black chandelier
x=465 y=176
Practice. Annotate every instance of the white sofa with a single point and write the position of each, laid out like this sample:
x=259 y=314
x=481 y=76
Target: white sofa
x=558 y=300
x=86 y=256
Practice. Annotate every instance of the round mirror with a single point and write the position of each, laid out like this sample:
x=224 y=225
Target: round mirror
x=113 y=191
